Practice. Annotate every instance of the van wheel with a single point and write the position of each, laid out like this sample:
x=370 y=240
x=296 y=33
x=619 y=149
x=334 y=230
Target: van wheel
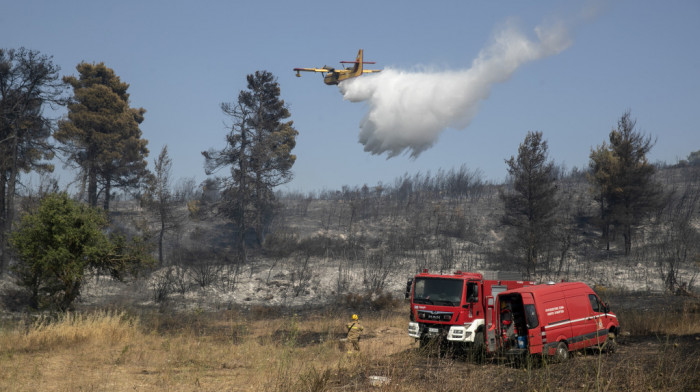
x=561 y=354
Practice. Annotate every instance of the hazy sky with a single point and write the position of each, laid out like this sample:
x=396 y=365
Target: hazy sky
x=182 y=59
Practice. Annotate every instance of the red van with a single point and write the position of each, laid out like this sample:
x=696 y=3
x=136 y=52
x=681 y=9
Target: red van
x=553 y=319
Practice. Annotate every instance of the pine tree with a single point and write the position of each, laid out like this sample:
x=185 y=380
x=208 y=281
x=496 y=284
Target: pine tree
x=159 y=198
x=623 y=180
x=604 y=166
x=530 y=209
x=101 y=135
x=694 y=158
x=29 y=82
x=258 y=153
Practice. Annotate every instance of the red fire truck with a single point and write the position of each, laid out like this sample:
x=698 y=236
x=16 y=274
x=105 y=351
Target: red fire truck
x=456 y=308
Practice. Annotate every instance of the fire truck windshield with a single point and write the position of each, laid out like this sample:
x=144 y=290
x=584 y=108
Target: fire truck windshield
x=438 y=291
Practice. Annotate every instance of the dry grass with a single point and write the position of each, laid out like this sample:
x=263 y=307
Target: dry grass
x=231 y=351
x=70 y=329
x=114 y=351
x=683 y=319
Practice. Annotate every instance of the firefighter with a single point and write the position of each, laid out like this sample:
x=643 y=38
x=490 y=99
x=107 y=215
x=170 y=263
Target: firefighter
x=354 y=331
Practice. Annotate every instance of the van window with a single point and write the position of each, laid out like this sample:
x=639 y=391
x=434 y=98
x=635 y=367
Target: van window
x=531 y=316
x=594 y=303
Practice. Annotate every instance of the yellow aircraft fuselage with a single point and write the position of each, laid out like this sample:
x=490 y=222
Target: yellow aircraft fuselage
x=336 y=76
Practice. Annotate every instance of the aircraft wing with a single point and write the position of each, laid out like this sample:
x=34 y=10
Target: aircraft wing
x=312 y=70
x=371 y=70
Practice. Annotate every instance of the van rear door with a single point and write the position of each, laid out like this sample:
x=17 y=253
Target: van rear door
x=491 y=341
x=532 y=322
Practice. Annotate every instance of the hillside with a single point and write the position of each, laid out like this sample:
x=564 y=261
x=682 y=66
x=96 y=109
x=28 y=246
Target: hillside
x=368 y=241
x=206 y=321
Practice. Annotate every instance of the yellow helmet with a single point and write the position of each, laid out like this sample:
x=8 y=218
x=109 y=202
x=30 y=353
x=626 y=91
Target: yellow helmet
x=354 y=317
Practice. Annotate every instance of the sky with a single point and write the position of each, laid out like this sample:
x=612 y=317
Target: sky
x=182 y=59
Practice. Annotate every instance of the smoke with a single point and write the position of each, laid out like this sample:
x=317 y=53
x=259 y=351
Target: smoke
x=409 y=110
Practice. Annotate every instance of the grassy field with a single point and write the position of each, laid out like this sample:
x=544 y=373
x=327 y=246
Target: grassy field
x=264 y=350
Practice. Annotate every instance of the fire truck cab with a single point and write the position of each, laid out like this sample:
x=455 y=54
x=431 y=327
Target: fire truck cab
x=553 y=319
x=457 y=308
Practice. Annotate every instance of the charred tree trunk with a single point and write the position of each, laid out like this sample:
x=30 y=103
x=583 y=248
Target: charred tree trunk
x=3 y=219
x=108 y=191
x=92 y=186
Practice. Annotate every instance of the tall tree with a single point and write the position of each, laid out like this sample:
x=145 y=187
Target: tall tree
x=604 y=165
x=258 y=152
x=530 y=209
x=29 y=82
x=101 y=134
x=623 y=179
x=160 y=200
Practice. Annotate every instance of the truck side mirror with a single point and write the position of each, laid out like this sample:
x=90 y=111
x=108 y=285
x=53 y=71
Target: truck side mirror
x=407 y=294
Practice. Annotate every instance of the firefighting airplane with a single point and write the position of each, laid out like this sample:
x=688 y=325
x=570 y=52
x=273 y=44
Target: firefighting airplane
x=333 y=76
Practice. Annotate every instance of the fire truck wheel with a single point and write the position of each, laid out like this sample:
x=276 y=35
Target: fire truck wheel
x=478 y=349
x=479 y=340
x=429 y=344
x=561 y=354
x=423 y=342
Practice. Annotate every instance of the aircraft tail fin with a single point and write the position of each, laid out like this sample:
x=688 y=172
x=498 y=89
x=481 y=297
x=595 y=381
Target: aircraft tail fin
x=357 y=69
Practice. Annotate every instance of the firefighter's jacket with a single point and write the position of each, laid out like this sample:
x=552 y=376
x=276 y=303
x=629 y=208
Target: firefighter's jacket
x=354 y=329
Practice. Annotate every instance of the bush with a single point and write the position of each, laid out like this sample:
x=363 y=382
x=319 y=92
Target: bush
x=62 y=239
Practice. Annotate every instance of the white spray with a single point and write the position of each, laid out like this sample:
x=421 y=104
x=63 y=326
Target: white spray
x=409 y=110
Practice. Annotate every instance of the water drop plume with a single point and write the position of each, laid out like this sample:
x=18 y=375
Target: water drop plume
x=409 y=110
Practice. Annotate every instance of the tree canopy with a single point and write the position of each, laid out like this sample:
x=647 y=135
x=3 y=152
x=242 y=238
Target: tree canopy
x=530 y=209
x=29 y=81
x=159 y=198
x=623 y=180
x=101 y=134
x=694 y=158
x=258 y=153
